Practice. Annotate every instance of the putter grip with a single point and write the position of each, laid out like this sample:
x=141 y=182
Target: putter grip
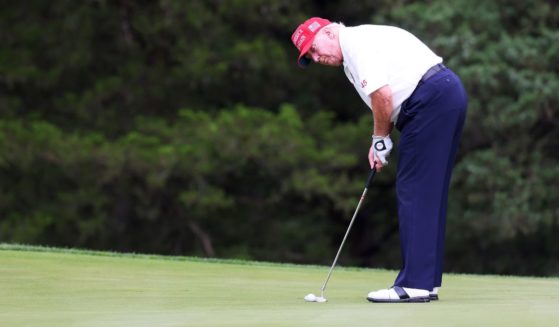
x=371 y=177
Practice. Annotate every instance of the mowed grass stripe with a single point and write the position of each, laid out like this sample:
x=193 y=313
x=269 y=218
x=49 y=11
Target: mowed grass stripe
x=53 y=287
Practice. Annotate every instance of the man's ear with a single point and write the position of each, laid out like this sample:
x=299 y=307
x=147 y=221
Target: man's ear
x=329 y=33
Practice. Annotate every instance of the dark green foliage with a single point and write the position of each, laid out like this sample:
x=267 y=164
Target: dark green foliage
x=185 y=127
x=244 y=182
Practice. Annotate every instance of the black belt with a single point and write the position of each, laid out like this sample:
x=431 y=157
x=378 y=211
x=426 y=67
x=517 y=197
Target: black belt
x=432 y=71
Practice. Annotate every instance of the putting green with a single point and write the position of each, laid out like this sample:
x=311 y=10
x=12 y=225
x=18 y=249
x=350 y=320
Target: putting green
x=53 y=287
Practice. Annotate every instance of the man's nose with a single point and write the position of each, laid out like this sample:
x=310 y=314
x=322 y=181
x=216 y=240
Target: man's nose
x=315 y=57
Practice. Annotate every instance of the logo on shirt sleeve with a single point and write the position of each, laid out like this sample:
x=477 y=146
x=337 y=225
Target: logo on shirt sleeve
x=363 y=83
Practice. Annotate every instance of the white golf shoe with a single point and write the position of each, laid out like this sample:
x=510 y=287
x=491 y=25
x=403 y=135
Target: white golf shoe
x=397 y=294
x=434 y=294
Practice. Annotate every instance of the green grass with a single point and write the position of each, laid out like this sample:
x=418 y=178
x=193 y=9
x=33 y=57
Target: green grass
x=53 y=287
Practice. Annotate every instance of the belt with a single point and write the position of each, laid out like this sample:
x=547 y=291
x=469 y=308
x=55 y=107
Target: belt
x=432 y=71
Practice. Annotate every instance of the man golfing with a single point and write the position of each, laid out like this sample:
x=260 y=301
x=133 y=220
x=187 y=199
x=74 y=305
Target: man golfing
x=406 y=85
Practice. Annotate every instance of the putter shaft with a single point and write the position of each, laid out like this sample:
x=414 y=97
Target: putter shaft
x=343 y=241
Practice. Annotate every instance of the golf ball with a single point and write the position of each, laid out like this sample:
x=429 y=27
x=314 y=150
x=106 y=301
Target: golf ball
x=310 y=297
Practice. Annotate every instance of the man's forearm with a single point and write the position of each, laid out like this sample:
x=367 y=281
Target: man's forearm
x=381 y=101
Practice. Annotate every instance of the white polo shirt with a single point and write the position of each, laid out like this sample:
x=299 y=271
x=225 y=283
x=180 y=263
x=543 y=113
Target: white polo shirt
x=377 y=55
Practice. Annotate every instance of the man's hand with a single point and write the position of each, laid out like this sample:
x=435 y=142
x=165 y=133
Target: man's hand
x=379 y=151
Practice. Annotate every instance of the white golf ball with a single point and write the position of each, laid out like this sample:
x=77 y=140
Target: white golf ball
x=310 y=297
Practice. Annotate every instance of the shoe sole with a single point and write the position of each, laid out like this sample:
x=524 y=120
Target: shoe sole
x=409 y=300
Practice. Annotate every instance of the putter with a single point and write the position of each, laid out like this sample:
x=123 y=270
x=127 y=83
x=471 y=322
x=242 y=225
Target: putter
x=321 y=299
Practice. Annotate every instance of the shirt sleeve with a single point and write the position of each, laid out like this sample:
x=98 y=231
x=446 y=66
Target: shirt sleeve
x=369 y=65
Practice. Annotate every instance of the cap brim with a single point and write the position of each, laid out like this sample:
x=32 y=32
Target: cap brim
x=303 y=60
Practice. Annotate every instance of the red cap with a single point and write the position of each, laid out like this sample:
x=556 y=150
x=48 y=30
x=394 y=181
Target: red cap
x=304 y=35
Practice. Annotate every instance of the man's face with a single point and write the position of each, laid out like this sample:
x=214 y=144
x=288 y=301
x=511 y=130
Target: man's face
x=326 y=49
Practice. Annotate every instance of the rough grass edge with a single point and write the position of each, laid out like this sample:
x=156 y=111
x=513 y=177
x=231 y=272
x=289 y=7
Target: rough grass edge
x=49 y=249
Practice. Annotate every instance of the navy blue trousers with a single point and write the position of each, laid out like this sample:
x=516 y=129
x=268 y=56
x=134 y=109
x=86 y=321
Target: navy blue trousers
x=430 y=124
